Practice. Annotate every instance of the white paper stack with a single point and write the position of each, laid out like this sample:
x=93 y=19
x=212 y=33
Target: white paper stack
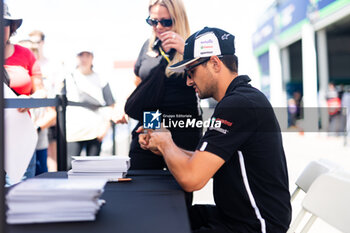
x=106 y=167
x=54 y=200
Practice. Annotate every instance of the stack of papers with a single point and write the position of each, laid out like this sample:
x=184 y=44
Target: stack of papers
x=106 y=167
x=54 y=200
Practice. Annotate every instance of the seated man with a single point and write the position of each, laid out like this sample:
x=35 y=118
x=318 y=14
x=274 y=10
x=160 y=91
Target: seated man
x=244 y=156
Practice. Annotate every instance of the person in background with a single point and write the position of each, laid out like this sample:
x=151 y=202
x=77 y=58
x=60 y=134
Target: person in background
x=23 y=70
x=345 y=103
x=170 y=28
x=295 y=111
x=292 y=112
x=88 y=124
x=243 y=152
x=53 y=85
x=43 y=118
x=334 y=110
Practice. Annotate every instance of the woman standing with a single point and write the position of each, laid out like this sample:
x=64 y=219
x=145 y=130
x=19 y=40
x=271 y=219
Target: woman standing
x=23 y=70
x=170 y=28
x=88 y=124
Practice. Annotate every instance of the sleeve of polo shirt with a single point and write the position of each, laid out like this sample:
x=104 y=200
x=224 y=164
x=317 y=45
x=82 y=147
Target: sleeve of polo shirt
x=139 y=59
x=238 y=122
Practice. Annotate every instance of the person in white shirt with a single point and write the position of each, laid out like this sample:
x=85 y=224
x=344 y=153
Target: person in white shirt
x=88 y=124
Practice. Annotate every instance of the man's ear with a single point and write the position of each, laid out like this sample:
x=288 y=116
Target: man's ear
x=216 y=63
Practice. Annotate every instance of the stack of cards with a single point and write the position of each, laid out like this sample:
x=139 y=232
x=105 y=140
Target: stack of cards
x=106 y=167
x=54 y=200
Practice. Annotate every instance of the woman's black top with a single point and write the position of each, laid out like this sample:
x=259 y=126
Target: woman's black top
x=178 y=97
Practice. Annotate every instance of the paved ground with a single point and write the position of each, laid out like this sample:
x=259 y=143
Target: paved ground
x=300 y=150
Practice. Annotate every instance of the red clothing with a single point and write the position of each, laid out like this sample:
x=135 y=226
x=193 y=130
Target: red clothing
x=21 y=66
x=334 y=105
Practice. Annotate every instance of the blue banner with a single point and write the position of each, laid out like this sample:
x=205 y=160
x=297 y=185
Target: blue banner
x=265 y=33
x=286 y=15
x=291 y=12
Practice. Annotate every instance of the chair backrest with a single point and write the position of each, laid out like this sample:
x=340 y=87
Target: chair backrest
x=328 y=199
x=313 y=170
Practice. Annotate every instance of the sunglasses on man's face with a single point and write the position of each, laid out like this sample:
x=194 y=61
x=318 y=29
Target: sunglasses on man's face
x=163 y=22
x=190 y=69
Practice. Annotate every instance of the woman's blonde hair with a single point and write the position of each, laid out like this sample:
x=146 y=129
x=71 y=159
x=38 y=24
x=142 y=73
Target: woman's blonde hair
x=181 y=26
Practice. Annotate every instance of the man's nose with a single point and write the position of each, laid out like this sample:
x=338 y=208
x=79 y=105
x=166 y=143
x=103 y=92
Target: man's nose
x=189 y=81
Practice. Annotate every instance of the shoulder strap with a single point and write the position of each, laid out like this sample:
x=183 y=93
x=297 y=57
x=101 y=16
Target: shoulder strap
x=163 y=54
x=86 y=100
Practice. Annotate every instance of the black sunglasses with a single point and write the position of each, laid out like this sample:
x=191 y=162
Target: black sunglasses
x=188 y=69
x=163 y=22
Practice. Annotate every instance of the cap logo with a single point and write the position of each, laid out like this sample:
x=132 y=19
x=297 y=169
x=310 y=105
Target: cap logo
x=225 y=36
x=206 y=45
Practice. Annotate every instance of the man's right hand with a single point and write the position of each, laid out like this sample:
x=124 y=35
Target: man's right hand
x=144 y=137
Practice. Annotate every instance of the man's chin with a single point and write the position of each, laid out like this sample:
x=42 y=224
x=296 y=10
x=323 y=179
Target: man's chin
x=201 y=95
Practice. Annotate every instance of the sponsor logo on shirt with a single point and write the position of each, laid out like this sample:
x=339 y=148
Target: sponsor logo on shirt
x=221 y=130
x=225 y=122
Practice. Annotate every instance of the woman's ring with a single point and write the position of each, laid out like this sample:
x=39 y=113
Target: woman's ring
x=174 y=36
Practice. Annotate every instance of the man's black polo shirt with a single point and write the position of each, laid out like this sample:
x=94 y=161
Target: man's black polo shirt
x=251 y=189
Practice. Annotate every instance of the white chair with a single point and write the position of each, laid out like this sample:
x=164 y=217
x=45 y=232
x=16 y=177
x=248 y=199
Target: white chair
x=313 y=170
x=327 y=199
